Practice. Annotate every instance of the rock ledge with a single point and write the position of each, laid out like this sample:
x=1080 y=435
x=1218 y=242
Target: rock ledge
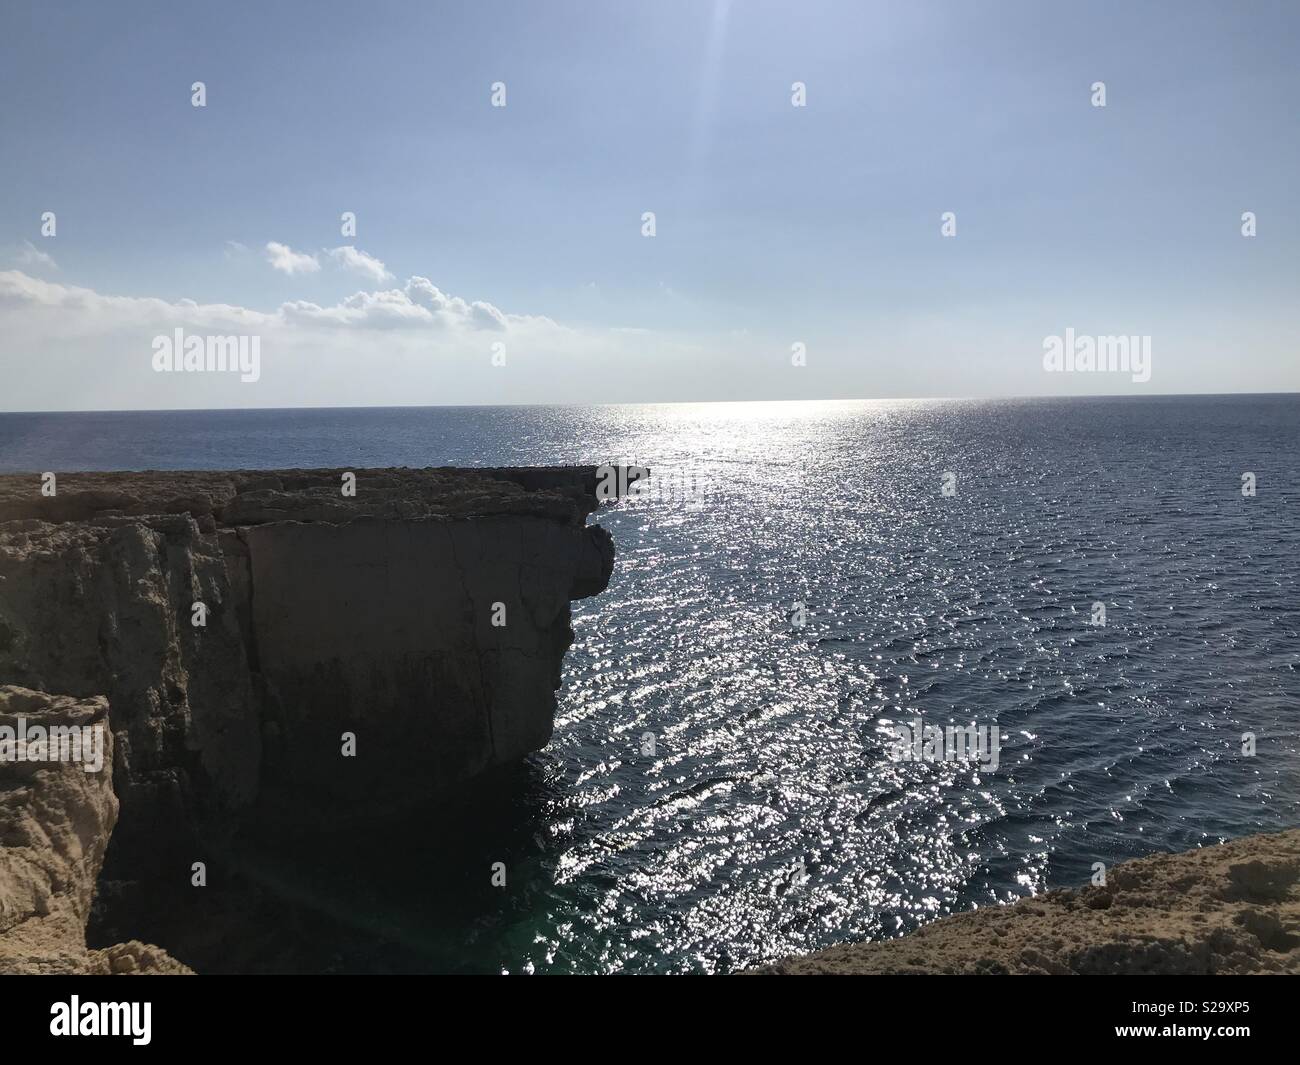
x=1233 y=908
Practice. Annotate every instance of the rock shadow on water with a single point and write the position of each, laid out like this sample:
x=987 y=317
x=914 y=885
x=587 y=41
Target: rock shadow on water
x=412 y=893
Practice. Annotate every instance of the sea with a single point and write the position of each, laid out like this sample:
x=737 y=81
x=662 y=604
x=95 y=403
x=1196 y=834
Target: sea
x=723 y=787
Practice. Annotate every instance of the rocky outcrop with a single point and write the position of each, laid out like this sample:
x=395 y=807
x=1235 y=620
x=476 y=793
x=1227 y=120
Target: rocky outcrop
x=1227 y=909
x=425 y=615
x=56 y=816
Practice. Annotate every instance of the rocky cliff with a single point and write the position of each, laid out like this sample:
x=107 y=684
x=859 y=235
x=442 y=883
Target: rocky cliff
x=55 y=821
x=1227 y=909
x=332 y=645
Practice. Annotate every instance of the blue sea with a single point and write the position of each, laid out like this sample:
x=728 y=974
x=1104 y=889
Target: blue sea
x=770 y=818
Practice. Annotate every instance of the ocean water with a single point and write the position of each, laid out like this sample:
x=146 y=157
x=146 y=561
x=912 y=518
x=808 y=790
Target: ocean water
x=770 y=818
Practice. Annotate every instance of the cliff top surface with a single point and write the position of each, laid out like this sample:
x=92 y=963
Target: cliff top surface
x=1230 y=908
x=250 y=497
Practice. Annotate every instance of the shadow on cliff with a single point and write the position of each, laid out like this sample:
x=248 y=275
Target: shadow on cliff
x=405 y=895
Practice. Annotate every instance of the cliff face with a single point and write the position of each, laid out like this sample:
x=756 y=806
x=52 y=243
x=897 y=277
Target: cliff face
x=426 y=615
x=1227 y=909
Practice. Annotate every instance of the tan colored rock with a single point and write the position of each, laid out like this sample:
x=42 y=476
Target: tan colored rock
x=134 y=959
x=55 y=822
x=1233 y=908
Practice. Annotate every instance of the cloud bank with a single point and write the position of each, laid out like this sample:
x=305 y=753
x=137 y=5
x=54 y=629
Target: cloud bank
x=418 y=305
x=68 y=347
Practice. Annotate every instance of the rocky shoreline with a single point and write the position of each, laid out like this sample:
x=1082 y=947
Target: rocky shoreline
x=1232 y=908
x=310 y=650
x=312 y=657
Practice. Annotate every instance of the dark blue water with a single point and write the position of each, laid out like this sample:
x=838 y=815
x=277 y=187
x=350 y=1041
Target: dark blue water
x=770 y=819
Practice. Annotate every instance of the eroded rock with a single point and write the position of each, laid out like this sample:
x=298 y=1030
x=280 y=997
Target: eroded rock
x=55 y=822
x=1233 y=908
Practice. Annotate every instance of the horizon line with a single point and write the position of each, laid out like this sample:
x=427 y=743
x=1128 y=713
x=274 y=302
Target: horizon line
x=652 y=403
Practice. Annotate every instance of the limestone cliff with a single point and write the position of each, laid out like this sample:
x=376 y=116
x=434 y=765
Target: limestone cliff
x=426 y=613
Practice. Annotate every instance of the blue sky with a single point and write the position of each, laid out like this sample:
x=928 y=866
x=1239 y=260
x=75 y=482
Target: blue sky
x=774 y=224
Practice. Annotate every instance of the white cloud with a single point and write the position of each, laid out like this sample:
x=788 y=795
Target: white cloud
x=286 y=260
x=31 y=257
x=418 y=305
x=85 y=310
x=66 y=347
x=376 y=310
x=360 y=262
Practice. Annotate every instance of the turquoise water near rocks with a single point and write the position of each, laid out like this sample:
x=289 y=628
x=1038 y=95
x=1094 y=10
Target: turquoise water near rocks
x=770 y=818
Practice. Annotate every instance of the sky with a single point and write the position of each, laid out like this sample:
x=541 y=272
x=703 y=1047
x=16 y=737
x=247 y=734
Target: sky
x=500 y=253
